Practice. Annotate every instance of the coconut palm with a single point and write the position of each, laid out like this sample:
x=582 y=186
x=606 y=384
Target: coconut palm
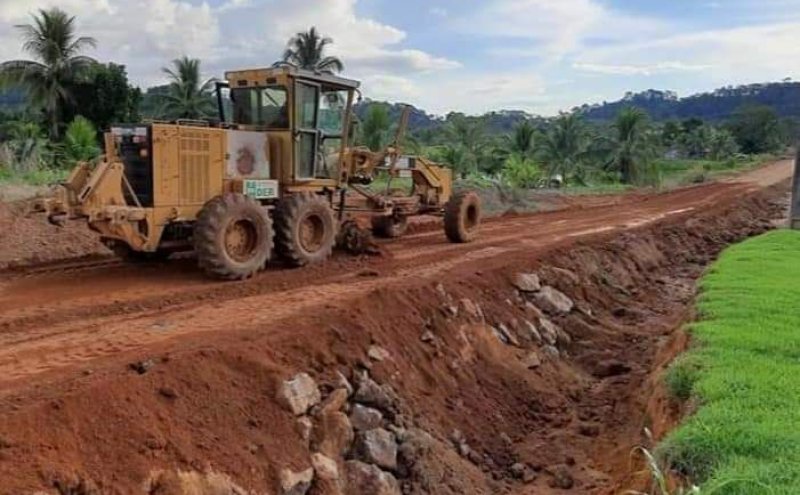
x=307 y=51
x=469 y=136
x=565 y=146
x=521 y=141
x=187 y=97
x=633 y=146
x=52 y=41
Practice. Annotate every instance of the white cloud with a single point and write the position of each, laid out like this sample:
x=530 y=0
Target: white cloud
x=557 y=28
x=146 y=34
x=142 y=34
x=639 y=70
x=722 y=56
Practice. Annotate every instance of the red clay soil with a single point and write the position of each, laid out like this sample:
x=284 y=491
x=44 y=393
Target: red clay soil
x=27 y=239
x=76 y=418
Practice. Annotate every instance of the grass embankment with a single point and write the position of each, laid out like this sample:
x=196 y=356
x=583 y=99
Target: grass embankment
x=684 y=171
x=744 y=373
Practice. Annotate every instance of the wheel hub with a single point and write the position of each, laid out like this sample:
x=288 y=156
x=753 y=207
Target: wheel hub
x=241 y=240
x=312 y=233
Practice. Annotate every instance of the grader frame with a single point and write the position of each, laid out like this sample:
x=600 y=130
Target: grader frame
x=278 y=172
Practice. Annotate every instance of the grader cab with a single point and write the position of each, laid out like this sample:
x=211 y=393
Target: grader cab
x=277 y=176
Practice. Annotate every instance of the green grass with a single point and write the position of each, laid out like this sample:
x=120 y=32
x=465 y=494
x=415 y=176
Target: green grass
x=38 y=177
x=685 y=171
x=745 y=373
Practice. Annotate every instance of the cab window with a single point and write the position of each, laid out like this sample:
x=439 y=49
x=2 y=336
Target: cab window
x=262 y=107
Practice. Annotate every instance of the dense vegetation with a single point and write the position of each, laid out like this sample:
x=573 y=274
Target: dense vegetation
x=69 y=96
x=743 y=372
x=716 y=106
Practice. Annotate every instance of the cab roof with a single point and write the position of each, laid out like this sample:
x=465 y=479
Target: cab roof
x=272 y=75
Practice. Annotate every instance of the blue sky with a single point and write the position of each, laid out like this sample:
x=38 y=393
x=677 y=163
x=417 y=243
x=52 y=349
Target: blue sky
x=541 y=56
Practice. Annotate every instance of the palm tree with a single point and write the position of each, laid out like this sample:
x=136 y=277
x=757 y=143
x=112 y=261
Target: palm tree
x=53 y=43
x=565 y=146
x=469 y=136
x=307 y=51
x=521 y=141
x=375 y=128
x=633 y=145
x=187 y=96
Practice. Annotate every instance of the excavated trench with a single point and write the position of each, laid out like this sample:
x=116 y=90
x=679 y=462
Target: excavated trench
x=534 y=376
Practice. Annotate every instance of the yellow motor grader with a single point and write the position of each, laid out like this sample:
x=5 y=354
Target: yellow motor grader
x=277 y=175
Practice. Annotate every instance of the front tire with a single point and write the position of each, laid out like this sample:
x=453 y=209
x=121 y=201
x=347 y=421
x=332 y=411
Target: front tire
x=305 y=229
x=233 y=237
x=462 y=217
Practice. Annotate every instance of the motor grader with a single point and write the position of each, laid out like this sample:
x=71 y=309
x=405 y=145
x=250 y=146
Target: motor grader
x=277 y=176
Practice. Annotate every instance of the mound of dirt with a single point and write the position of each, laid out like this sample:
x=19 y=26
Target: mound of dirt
x=478 y=383
x=27 y=238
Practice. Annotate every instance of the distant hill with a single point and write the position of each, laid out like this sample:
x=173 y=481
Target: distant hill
x=714 y=106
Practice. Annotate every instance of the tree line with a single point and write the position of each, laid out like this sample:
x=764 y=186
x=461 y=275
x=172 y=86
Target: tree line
x=71 y=96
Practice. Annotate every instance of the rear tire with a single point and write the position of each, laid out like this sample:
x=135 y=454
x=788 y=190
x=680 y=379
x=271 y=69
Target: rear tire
x=462 y=217
x=233 y=237
x=305 y=229
x=389 y=227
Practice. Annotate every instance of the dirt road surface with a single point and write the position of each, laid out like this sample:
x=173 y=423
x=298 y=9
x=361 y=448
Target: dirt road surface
x=60 y=323
x=71 y=317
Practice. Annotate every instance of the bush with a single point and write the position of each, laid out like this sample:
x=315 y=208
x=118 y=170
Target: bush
x=681 y=377
x=80 y=143
x=522 y=172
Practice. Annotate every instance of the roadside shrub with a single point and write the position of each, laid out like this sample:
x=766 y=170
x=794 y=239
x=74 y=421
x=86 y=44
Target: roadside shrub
x=80 y=143
x=522 y=172
x=681 y=378
x=26 y=149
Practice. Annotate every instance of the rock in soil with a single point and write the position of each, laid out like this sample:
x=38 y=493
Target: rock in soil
x=299 y=394
x=366 y=479
x=553 y=301
x=527 y=282
x=378 y=447
x=335 y=402
x=562 y=479
x=296 y=483
x=378 y=354
x=549 y=331
x=365 y=418
x=532 y=360
x=371 y=394
x=333 y=435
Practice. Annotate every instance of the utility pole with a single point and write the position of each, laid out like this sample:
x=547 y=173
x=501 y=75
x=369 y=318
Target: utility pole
x=794 y=215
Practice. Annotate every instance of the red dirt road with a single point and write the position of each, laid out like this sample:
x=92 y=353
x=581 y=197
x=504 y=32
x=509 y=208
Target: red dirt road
x=52 y=323
x=210 y=357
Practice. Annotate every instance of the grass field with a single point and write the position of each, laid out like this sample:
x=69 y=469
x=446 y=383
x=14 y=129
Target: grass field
x=744 y=371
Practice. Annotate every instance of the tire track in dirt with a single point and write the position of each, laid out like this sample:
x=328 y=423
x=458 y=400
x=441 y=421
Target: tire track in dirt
x=41 y=341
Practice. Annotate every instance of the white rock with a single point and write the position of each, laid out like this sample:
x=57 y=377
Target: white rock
x=378 y=447
x=549 y=331
x=296 y=483
x=534 y=333
x=325 y=468
x=527 y=282
x=377 y=353
x=365 y=418
x=299 y=394
x=554 y=301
